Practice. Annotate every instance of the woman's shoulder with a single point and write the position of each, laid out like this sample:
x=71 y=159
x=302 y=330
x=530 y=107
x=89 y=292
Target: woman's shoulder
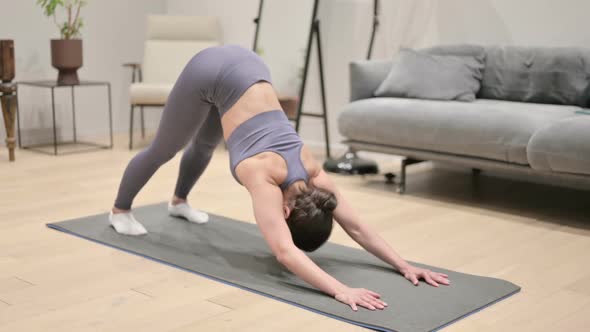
x=310 y=163
x=261 y=168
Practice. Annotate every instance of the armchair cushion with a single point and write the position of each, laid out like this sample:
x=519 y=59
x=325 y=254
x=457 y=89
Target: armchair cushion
x=172 y=41
x=149 y=94
x=165 y=59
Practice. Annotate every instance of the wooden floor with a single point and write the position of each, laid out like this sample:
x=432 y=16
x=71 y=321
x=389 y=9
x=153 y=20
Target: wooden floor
x=533 y=235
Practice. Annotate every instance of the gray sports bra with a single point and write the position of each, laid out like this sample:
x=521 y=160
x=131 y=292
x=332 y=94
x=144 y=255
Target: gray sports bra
x=268 y=131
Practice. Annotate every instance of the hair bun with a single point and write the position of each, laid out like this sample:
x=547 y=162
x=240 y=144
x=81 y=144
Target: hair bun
x=329 y=203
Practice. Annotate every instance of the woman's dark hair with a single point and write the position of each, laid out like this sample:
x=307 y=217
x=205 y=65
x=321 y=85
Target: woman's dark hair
x=310 y=220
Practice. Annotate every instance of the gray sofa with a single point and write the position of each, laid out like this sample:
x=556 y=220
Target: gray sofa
x=529 y=116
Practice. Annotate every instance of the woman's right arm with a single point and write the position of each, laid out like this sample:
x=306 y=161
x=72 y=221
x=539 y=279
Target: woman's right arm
x=267 y=200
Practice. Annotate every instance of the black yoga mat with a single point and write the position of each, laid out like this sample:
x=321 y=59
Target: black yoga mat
x=235 y=253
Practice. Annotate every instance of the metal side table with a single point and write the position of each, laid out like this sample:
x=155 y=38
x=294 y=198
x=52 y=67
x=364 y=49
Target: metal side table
x=52 y=85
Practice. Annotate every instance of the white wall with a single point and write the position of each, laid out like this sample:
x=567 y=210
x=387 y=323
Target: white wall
x=523 y=22
x=235 y=15
x=345 y=27
x=282 y=37
x=113 y=34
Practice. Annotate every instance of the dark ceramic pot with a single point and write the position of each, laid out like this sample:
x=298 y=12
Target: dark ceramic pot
x=66 y=57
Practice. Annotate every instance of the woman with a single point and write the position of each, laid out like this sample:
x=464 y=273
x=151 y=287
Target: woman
x=226 y=91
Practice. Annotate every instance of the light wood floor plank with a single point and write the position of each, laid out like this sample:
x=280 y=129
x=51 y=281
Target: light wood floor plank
x=537 y=236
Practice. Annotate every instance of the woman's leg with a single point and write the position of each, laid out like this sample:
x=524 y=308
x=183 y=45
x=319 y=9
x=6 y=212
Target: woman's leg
x=184 y=113
x=198 y=154
x=195 y=159
x=180 y=120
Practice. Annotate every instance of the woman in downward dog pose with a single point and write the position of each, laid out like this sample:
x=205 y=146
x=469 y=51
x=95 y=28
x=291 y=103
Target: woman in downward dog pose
x=226 y=92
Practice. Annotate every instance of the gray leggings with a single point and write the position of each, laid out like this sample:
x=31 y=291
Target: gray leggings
x=208 y=86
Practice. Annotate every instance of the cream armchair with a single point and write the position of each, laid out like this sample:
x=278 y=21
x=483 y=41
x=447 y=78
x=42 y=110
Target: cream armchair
x=171 y=42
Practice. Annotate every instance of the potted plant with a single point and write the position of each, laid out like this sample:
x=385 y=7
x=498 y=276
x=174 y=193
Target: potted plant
x=66 y=53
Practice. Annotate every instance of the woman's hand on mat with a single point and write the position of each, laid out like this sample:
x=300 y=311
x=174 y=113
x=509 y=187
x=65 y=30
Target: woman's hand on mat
x=361 y=297
x=435 y=279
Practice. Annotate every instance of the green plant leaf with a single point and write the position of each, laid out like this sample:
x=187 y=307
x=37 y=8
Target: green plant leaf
x=49 y=6
x=66 y=30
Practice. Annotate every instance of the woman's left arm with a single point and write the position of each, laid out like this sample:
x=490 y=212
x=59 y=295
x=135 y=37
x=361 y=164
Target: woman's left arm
x=365 y=236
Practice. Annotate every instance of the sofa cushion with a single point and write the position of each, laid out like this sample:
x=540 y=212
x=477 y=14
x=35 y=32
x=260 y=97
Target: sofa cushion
x=443 y=77
x=563 y=146
x=537 y=75
x=366 y=76
x=457 y=50
x=492 y=129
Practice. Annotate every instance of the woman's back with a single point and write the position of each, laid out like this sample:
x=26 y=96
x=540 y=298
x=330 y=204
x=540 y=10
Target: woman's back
x=260 y=97
x=275 y=149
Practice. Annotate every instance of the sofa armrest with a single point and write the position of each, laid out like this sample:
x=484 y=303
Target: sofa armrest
x=366 y=76
x=135 y=71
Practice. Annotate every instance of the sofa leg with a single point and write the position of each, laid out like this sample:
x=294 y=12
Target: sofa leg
x=475 y=171
x=401 y=186
x=389 y=178
x=475 y=178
